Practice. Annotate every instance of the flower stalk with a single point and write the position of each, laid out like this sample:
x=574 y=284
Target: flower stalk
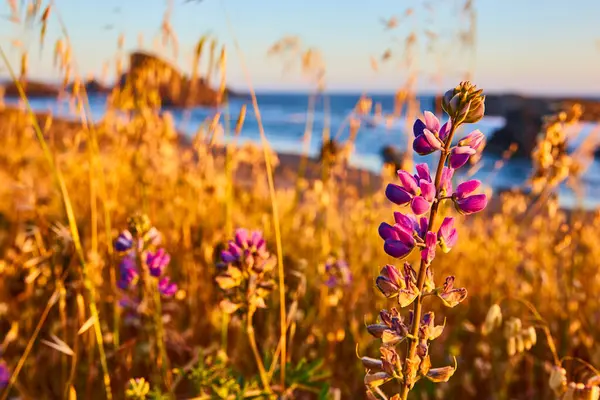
x=463 y=104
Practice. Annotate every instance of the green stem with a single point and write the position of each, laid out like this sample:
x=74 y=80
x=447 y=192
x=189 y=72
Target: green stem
x=418 y=304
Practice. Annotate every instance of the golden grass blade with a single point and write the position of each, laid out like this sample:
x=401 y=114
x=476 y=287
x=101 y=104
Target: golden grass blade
x=87 y=325
x=58 y=345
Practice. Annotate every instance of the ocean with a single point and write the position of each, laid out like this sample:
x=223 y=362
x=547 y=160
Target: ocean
x=284 y=117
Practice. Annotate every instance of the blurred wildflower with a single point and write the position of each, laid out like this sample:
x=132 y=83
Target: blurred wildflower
x=244 y=272
x=338 y=273
x=157 y=262
x=4 y=374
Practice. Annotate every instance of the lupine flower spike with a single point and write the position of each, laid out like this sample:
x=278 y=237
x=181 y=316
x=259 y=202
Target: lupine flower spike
x=463 y=104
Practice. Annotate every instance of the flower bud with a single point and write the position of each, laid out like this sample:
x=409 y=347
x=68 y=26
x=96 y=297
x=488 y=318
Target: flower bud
x=464 y=103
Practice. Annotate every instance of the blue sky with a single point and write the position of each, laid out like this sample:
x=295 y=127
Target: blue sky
x=530 y=46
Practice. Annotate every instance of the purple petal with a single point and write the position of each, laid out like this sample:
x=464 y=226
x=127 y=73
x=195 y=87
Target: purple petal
x=423 y=172
x=446 y=180
x=445 y=130
x=467 y=187
x=404 y=235
x=408 y=182
x=446 y=227
x=431 y=121
x=391 y=273
x=419 y=205
x=386 y=231
x=457 y=159
x=397 y=195
x=235 y=250
x=418 y=128
x=256 y=239
x=406 y=222
x=427 y=190
x=423 y=225
x=471 y=204
x=421 y=146
x=124 y=241
x=227 y=257
x=472 y=140
x=241 y=237
x=396 y=248
x=167 y=288
x=433 y=140
x=428 y=253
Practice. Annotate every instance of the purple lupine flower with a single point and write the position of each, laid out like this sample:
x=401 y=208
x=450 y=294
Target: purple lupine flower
x=4 y=374
x=429 y=137
x=124 y=241
x=399 y=239
x=447 y=234
x=467 y=203
x=245 y=245
x=128 y=273
x=418 y=190
x=428 y=253
x=166 y=287
x=466 y=148
x=157 y=262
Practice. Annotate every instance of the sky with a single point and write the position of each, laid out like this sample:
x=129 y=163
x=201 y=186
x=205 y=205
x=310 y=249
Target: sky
x=525 y=46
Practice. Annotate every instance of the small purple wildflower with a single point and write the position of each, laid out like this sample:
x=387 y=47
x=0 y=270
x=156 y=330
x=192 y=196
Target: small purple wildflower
x=4 y=374
x=157 y=262
x=243 y=272
x=465 y=202
x=338 y=273
x=166 y=287
x=467 y=147
x=429 y=136
x=124 y=241
x=128 y=273
x=418 y=190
